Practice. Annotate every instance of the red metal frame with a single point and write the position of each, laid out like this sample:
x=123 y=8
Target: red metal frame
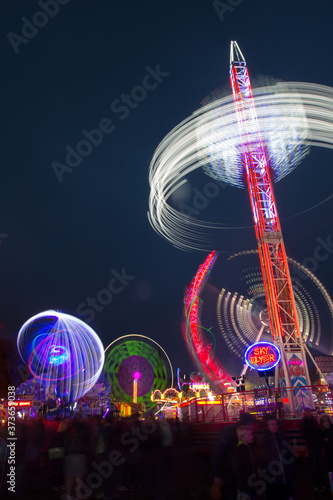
x=279 y=293
x=219 y=410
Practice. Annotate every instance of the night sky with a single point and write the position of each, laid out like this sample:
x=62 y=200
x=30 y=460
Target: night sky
x=68 y=230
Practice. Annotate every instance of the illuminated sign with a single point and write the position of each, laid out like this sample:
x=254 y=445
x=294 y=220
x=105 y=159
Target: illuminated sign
x=199 y=386
x=18 y=404
x=209 y=402
x=262 y=356
x=263 y=401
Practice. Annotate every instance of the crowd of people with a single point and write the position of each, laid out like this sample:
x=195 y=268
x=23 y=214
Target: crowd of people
x=134 y=458
x=106 y=458
x=261 y=465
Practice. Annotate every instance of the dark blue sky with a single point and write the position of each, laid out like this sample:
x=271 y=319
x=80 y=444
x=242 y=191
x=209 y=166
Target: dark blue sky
x=60 y=241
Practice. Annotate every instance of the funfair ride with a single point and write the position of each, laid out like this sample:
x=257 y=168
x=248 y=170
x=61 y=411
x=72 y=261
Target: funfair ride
x=276 y=276
x=230 y=139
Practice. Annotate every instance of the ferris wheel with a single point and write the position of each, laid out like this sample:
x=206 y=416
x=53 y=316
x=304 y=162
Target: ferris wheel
x=137 y=364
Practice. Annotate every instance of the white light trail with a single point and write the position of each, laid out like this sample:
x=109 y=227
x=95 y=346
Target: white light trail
x=236 y=315
x=292 y=117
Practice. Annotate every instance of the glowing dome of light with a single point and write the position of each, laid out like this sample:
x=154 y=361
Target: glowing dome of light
x=58 y=355
x=283 y=133
x=62 y=352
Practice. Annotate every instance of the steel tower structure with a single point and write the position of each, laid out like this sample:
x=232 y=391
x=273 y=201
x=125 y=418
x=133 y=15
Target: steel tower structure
x=276 y=276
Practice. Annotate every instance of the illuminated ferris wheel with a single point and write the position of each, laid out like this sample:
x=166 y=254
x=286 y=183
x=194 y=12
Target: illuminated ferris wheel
x=136 y=366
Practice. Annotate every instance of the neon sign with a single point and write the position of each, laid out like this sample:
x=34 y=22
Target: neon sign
x=263 y=401
x=18 y=404
x=262 y=356
x=199 y=387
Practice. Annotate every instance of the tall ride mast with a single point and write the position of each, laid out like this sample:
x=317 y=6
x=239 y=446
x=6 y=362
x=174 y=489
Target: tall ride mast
x=276 y=276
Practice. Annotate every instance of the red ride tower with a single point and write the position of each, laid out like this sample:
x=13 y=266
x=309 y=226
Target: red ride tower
x=276 y=276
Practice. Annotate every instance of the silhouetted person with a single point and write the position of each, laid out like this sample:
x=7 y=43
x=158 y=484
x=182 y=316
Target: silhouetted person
x=326 y=429
x=275 y=462
x=36 y=445
x=244 y=467
x=313 y=439
x=57 y=462
x=224 y=485
x=44 y=409
x=52 y=402
x=76 y=445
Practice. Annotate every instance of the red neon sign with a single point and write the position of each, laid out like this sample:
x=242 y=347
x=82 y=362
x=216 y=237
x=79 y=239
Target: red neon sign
x=262 y=356
x=17 y=404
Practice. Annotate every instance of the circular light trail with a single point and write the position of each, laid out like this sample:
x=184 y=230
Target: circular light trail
x=292 y=117
x=132 y=358
x=237 y=317
x=62 y=352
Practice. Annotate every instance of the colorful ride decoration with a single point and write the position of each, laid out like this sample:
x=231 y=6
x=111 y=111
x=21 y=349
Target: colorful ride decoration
x=64 y=355
x=201 y=351
x=169 y=395
x=136 y=366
